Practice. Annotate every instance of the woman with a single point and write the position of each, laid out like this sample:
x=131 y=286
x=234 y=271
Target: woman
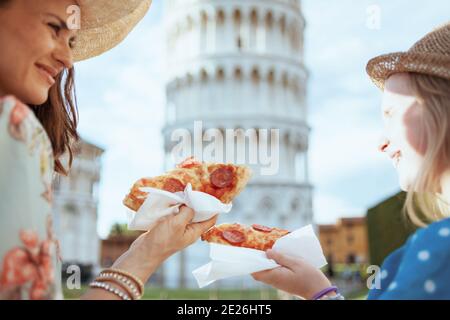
x=38 y=123
x=416 y=112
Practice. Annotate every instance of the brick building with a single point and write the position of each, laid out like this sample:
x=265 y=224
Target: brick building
x=346 y=241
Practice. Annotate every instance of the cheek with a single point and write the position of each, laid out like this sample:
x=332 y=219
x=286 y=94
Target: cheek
x=415 y=129
x=27 y=44
x=39 y=43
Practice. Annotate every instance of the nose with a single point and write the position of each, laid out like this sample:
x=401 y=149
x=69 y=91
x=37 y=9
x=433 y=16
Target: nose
x=383 y=145
x=63 y=54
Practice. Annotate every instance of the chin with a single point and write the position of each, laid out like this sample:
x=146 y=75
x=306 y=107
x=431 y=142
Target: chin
x=38 y=97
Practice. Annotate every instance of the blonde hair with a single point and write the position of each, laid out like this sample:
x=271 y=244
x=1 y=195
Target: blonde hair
x=423 y=203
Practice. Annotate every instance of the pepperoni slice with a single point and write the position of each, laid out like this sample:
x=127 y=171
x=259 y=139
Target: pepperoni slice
x=222 y=177
x=189 y=163
x=173 y=185
x=233 y=236
x=261 y=228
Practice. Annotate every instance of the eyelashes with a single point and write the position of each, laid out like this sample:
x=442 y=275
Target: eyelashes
x=56 y=29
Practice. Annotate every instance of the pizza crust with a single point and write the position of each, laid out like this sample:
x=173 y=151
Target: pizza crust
x=199 y=175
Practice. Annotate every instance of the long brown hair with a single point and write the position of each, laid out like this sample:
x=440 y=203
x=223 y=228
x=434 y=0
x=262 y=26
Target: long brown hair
x=59 y=115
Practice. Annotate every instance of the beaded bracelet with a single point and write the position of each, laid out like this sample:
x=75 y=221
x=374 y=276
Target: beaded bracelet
x=122 y=281
x=128 y=275
x=105 y=286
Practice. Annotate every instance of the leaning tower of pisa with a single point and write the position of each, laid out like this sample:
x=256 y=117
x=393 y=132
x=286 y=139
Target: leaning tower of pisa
x=238 y=64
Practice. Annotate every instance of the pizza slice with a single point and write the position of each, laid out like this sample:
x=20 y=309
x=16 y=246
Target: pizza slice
x=255 y=237
x=223 y=181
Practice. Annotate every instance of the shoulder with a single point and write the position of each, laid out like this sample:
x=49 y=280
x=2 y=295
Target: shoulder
x=9 y=102
x=15 y=113
x=23 y=135
x=423 y=270
x=437 y=234
x=430 y=244
x=19 y=120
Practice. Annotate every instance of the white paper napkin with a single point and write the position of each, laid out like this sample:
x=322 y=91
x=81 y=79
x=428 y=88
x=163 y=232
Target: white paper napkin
x=228 y=261
x=160 y=203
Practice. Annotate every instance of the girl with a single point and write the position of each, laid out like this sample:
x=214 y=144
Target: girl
x=416 y=112
x=38 y=123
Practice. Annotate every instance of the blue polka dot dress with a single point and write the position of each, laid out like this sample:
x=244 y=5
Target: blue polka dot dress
x=418 y=270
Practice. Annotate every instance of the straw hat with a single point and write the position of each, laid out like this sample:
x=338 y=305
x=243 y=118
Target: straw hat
x=430 y=55
x=105 y=23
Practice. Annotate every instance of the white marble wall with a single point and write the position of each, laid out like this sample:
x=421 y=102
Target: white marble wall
x=239 y=64
x=75 y=211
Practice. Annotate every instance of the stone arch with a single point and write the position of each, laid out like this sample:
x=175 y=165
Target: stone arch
x=204 y=20
x=254 y=17
x=294 y=36
x=286 y=138
x=237 y=22
x=238 y=73
x=204 y=16
x=255 y=75
x=220 y=73
x=266 y=204
x=220 y=17
x=271 y=76
x=282 y=24
x=285 y=79
x=237 y=16
x=269 y=20
x=295 y=204
x=295 y=87
x=204 y=76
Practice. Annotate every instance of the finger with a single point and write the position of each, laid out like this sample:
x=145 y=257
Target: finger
x=185 y=216
x=201 y=227
x=195 y=230
x=282 y=259
x=261 y=275
x=270 y=277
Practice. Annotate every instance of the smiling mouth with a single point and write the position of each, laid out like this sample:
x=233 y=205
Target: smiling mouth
x=47 y=73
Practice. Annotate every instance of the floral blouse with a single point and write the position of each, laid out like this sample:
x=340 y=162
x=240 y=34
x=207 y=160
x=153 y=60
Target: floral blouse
x=29 y=259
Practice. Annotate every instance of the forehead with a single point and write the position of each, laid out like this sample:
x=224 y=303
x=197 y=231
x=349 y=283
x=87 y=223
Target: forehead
x=397 y=92
x=58 y=7
x=398 y=83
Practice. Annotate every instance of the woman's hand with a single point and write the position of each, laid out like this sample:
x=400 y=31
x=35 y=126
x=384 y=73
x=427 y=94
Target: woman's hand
x=295 y=276
x=169 y=235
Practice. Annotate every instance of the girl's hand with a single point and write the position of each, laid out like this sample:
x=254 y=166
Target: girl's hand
x=169 y=235
x=295 y=276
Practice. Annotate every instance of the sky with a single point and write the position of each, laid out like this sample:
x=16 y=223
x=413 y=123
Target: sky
x=121 y=99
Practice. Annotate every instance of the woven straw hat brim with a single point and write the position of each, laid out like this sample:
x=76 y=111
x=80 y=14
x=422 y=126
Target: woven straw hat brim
x=106 y=23
x=382 y=67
